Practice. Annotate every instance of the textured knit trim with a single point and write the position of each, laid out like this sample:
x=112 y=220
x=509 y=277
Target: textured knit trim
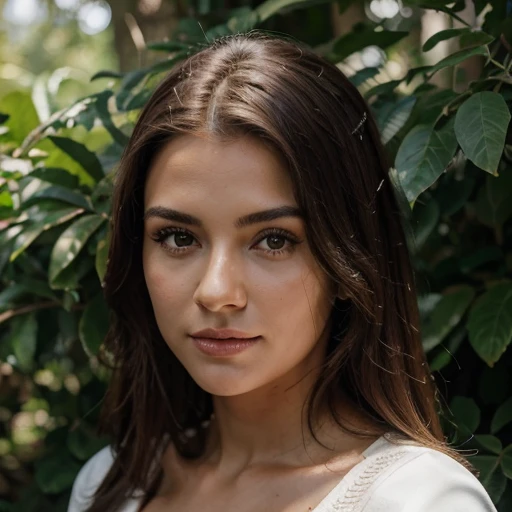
x=352 y=498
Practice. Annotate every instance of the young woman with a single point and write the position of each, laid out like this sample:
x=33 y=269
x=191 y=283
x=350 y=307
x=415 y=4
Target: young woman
x=265 y=327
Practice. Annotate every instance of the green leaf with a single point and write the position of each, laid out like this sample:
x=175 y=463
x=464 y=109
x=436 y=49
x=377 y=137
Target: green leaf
x=490 y=323
x=361 y=76
x=101 y=258
x=61 y=194
x=447 y=314
x=479 y=257
x=106 y=118
x=466 y=413
x=458 y=57
x=93 y=325
x=56 y=473
x=83 y=443
x=423 y=156
x=22 y=114
x=272 y=7
x=453 y=192
x=70 y=243
x=168 y=46
x=446 y=352
x=244 y=20
x=491 y=476
x=24 y=339
x=396 y=118
x=502 y=416
x=506 y=461
x=106 y=74
x=11 y=294
x=468 y=38
x=424 y=220
x=481 y=127
x=128 y=85
x=494 y=201
x=363 y=36
x=382 y=89
x=443 y=35
x=31 y=232
x=56 y=176
x=78 y=152
x=475 y=38
x=490 y=443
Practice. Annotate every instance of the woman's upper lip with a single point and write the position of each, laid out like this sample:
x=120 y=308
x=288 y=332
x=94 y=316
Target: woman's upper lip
x=221 y=334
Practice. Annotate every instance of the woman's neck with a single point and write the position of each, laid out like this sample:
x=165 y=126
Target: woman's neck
x=269 y=427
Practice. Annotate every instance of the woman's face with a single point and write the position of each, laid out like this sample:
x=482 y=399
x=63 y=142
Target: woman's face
x=225 y=248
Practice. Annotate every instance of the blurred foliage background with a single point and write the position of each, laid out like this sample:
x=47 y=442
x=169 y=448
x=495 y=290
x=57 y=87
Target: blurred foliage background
x=73 y=77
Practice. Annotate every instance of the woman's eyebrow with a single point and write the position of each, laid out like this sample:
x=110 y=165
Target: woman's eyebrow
x=252 y=218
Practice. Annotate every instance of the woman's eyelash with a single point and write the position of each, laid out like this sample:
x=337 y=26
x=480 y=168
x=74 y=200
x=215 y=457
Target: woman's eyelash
x=162 y=234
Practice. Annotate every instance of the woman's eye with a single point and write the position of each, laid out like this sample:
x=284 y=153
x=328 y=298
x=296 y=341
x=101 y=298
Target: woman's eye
x=275 y=242
x=182 y=239
x=174 y=239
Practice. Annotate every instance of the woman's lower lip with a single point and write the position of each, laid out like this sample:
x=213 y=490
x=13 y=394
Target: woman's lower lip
x=228 y=347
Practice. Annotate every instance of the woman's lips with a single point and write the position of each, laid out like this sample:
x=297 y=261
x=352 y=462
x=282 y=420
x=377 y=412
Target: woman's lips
x=223 y=347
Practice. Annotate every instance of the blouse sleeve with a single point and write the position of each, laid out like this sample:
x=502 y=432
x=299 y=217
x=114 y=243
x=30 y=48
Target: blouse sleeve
x=430 y=482
x=89 y=479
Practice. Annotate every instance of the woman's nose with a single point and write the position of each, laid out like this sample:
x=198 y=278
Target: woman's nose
x=222 y=285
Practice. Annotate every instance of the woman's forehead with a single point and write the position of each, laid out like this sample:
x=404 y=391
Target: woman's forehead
x=191 y=168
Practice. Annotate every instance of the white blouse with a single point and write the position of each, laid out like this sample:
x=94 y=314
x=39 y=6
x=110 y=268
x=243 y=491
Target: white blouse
x=392 y=478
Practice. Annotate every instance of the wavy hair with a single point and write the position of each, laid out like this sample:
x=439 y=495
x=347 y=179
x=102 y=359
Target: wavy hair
x=307 y=110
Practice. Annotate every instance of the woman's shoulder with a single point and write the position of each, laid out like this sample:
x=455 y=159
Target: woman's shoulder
x=89 y=479
x=419 y=479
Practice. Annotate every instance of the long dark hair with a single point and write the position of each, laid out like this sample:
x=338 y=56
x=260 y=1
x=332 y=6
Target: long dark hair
x=307 y=110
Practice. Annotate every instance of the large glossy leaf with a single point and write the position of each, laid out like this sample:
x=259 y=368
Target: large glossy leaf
x=61 y=194
x=24 y=339
x=443 y=35
x=361 y=76
x=502 y=416
x=168 y=46
x=506 y=461
x=101 y=258
x=94 y=325
x=466 y=413
x=56 y=176
x=491 y=475
x=56 y=472
x=490 y=323
x=273 y=7
x=467 y=36
x=490 y=443
x=481 y=127
x=78 y=152
x=31 y=231
x=26 y=286
x=393 y=119
x=83 y=442
x=128 y=86
x=71 y=242
x=458 y=57
x=424 y=220
x=423 y=156
x=494 y=200
x=362 y=36
x=106 y=118
x=22 y=114
x=447 y=314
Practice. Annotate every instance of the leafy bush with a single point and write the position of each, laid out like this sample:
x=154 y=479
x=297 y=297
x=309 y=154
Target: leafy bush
x=452 y=160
